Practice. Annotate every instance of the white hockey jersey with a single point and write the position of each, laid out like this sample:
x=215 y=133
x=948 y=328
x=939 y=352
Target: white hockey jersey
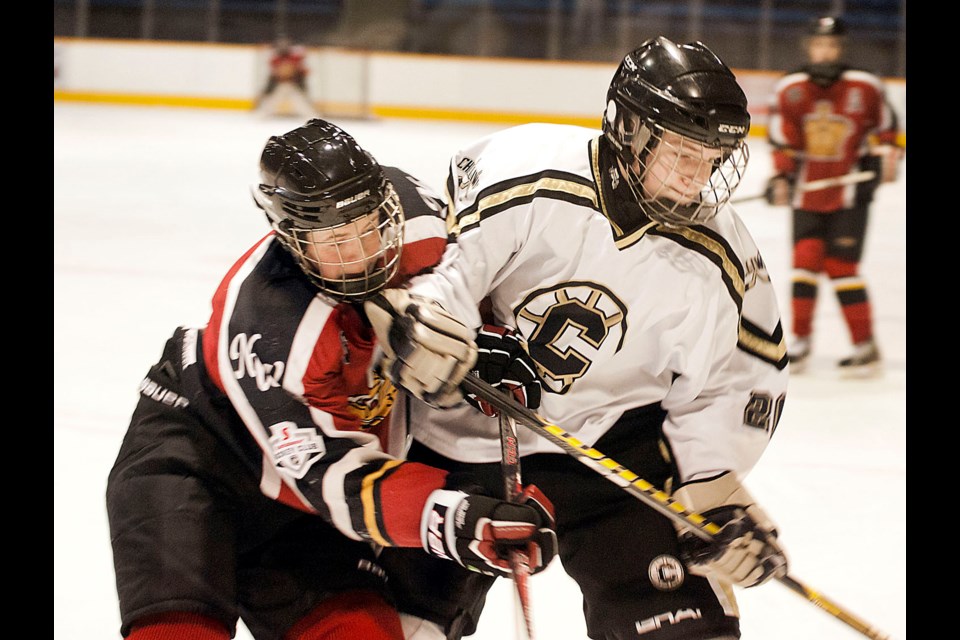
x=618 y=311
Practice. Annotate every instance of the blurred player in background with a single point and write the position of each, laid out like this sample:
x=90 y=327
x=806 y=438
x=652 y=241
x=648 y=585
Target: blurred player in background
x=643 y=303
x=286 y=90
x=256 y=480
x=829 y=120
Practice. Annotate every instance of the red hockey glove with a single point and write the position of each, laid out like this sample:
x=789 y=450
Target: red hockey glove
x=479 y=532
x=503 y=362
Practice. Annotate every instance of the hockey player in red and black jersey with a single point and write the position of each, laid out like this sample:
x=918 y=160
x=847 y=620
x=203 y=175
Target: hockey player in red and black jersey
x=829 y=120
x=259 y=475
x=643 y=303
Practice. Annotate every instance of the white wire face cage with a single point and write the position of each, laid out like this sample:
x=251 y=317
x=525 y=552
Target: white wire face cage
x=354 y=260
x=677 y=180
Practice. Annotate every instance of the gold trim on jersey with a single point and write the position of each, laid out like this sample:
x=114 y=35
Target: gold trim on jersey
x=369 y=501
x=762 y=345
x=527 y=189
x=730 y=267
x=767 y=347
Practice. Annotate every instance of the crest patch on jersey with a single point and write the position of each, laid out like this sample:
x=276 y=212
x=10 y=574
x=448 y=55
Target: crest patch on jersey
x=294 y=448
x=467 y=174
x=826 y=133
x=373 y=407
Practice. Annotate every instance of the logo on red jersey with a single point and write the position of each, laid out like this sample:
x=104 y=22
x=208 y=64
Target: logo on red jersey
x=295 y=448
x=373 y=407
x=249 y=364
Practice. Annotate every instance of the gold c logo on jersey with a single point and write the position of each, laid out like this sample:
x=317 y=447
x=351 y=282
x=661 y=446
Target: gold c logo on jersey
x=566 y=326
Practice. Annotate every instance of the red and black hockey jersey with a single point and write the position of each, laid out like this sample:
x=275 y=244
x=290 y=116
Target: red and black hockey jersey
x=824 y=131
x=292 y=370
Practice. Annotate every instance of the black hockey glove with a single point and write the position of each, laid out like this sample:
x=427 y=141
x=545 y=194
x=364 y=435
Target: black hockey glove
x=745 y=552
x=479 y=532
x=779 y=190
x=503 y=362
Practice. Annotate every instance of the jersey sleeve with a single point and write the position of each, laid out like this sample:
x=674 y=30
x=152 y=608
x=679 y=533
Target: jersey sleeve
x=295 y=367
x=725 y=405
x=783 y=133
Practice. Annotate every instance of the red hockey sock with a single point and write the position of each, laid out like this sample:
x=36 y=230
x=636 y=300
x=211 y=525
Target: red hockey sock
x=803 y=309
x=859 y=320
x=349 y=616
x=178 y=626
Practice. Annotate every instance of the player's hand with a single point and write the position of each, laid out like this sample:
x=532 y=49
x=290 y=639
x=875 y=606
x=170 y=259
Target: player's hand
x=890 y=157
x=503 y=361
x=479 y=532
x=745 y=552
x=779 y=190
x=426 y=350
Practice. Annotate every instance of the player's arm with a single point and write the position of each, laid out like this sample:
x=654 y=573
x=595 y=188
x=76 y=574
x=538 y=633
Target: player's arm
x=886 y=147
x=721 y=413
x=322 y=464
x=784 y=142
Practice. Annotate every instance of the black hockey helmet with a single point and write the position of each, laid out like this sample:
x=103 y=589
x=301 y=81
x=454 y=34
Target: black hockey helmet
x=827 y=26
x=685 y=89
x=317 y=178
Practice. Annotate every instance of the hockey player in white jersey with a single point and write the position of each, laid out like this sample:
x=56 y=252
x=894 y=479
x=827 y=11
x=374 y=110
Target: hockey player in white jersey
x=645 y=307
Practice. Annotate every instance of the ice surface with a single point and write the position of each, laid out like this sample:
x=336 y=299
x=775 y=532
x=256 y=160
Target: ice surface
x=151 y=205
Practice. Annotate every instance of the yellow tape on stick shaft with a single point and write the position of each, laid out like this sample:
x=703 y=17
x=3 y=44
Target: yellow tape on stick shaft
x=646 y=492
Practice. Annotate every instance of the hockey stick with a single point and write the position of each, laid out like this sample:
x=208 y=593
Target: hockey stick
x=513 y=487
x=644 y=491
x=818 y=185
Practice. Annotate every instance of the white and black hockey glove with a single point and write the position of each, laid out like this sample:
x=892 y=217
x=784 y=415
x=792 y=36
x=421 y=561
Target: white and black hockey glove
x=745 y=552
x=503 y=361
x=426 y=350
x=479 y=532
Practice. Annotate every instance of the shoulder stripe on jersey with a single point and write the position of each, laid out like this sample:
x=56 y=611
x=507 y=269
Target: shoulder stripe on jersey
x=767 y=347
x=557 y=185
x=707 y=243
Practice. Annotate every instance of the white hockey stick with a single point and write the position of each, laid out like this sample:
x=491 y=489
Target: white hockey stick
x=818 y=185
x=644 y=491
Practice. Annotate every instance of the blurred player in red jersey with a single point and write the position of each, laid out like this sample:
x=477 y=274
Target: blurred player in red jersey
x=828 y=120
x=286 y=90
